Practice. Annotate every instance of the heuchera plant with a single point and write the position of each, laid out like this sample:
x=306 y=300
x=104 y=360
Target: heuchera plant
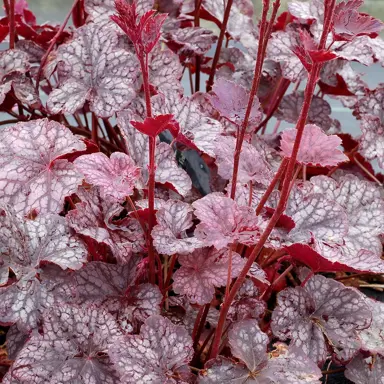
x=155 y=228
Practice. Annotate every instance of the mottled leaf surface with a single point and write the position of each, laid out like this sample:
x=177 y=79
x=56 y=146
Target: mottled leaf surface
x=170 y=235
x=95 y=70
x=32 y=174
x=223 y=222
x=73 y=348
x=368 y=370
x=372 y=140
x=161 y=351
x=323 y=310
x=202 y=271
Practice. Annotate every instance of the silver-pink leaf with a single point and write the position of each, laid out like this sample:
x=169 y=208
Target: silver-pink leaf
x=366 y=370
x=92 y=217
x=32 y=174
x=202 y=271
x=95 y=70
x=231 y=101
x=252 y=165
x=170 y=236
x=372 y=140
x=323 y=310
x=160 y=352
x=317 y=148
x=223 y=222
x=115 y=176
x=72 y=348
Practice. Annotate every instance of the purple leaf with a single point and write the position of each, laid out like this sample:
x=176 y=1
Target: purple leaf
x=361 y=248
x=231 y=101
x=368 y=370
x=372 y=102
x=202 y=271
x=316 y=147
x=27 y=245
x=115 y=176
x=323 y=310
x=373 y=337
x=96 y=70
x=223 y=222
x=312 y=9
x=372 y=140
x=113 y=287
x=191 y=41
x=33 y=175
x=161 y=352
x=73 y=348
x=12 y=62
x=170 y=236
x=249 y=344
x=197 y=127
x=252 y=166
x=92 y=217
x=319 y=113
x=15 y=341
x=246 y=304
x=167 y=170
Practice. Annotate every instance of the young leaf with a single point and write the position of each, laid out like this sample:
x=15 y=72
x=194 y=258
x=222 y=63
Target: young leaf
x=112 y=287
x=202 y=271
x=231 y=101
x=249 y=344
x=252 y=167
x=223 y=222
x=323 y=310
x=33 y=176
x=92 y=218
x=74 y=339
x=115 y=176
x=366 y=370
x=372 y=140
x=316 y=147
x=152 y=126
x=25 y=246
x=161 y=352
x=170 y=236
x=95 y=70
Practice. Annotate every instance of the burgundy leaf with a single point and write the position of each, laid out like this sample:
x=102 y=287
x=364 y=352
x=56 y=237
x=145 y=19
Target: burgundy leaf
x=231 y=101
x=372 y=140
x=319 y=113
x=348 y=22
x=73 y=348
x=192 y=40
x=252 y=166
x=323 y=310
x=369 y=370
x=113 y=287
x=95 y=70
x=202 y=271
x=361 y=248
x=167 y=169
x=26 y=245
x=373 y=337
x=170 y=236
x=223 y=222
x=249 y=344
x=12 y=62
x=316 y=147
x=194 y=125
x=152 y=126
x=115 y=176
x=92 y=217
x=160 y=352
x=33 y=177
